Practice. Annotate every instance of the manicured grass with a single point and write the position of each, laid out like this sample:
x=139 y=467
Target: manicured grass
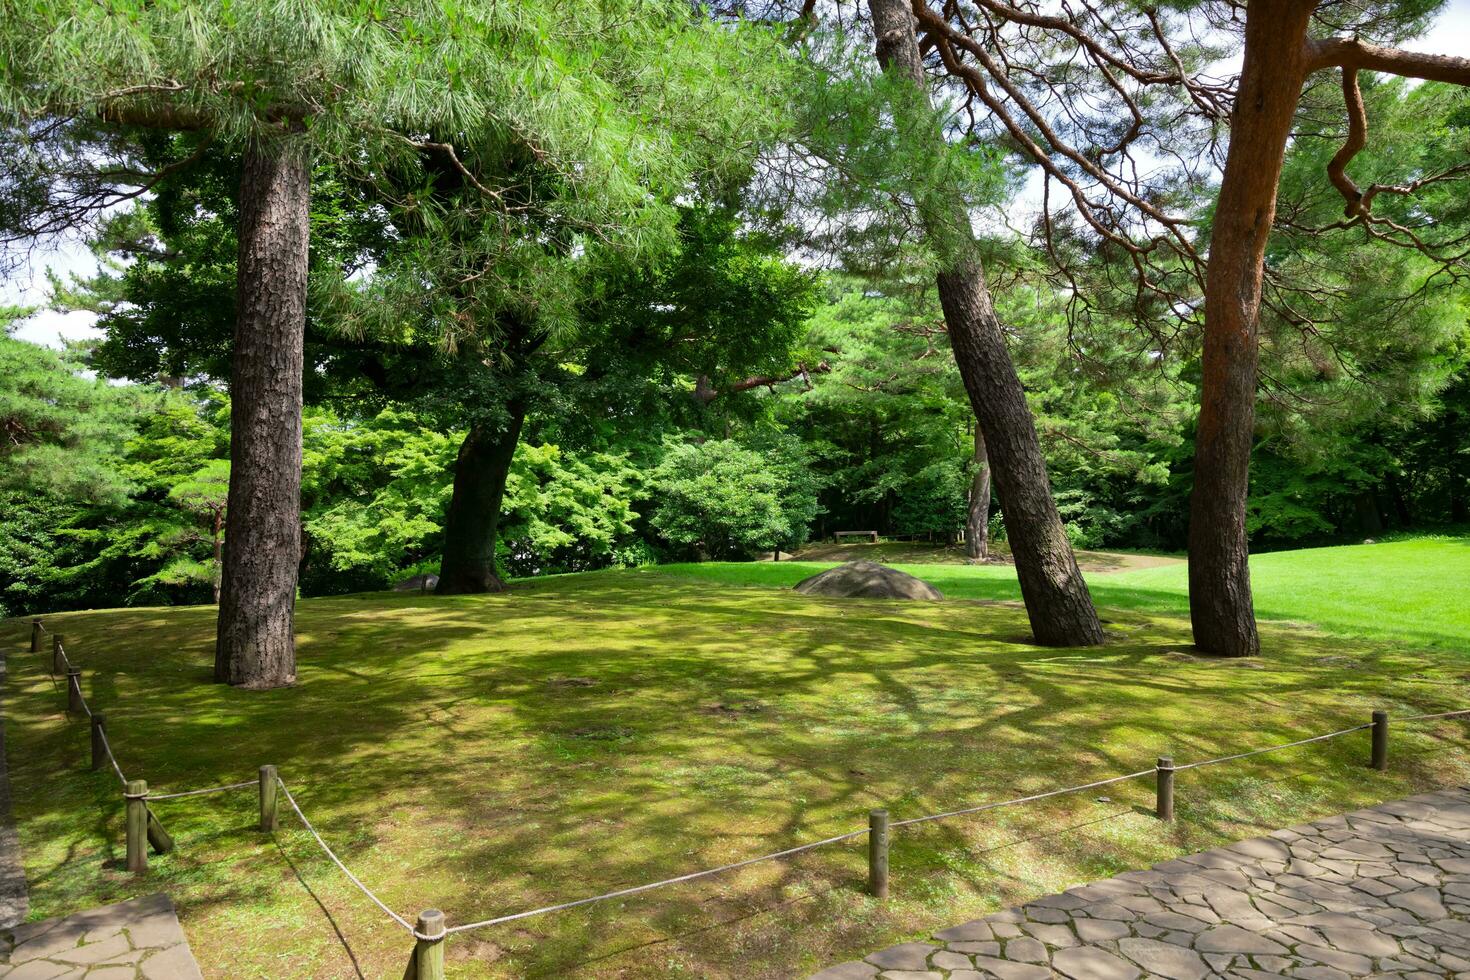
x=935 y=553
x=490 y=754
x=1410 y=591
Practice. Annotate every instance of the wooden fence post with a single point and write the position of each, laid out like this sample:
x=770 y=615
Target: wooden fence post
x=878 y=853
x=99 y=741
x=136 y=794
x=74 y=690
x=268 y=819
x=1164 y=805
x=58 y=656
x=1380 y=740
x=159 y=838
x=36 y=635
x=427 y=961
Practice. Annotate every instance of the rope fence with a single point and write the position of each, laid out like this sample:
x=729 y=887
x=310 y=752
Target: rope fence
x=202 y=792
x=1022 y=799
x=338 y=861
x=1272 y=748
x=430 y=931
x=1442 y=714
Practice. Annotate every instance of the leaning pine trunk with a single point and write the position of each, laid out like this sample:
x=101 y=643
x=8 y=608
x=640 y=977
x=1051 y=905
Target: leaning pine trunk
x=471 y=528
x=255 y=645
x=1220 y=606
x=977 y=519
x=1057 y=601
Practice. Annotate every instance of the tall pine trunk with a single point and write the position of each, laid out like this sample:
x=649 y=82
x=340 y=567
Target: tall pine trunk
x=1272 y=74
x=1057 y=601
x=255 y=644
x=977 y=516
x=471 y=528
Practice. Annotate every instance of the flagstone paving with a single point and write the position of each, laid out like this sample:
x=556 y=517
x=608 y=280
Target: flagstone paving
x=135 y=940
x=1383 y=892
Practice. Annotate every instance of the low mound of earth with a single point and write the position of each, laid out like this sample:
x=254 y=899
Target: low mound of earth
x=867 y=580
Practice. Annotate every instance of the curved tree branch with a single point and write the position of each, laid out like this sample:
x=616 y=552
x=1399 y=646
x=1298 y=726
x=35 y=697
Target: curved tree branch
x=1357 y=138
x=1353 y=55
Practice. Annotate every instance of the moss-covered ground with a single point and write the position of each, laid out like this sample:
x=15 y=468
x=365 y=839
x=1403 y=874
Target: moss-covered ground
x=581 y=733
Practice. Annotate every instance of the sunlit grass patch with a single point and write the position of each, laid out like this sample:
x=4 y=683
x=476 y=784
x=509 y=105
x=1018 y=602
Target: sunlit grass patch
x=489 y=754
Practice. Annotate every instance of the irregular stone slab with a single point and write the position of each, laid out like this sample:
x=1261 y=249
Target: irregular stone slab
x=907 y=956
x=1380 y=892
x=977 y=931
x=1426 y=903
x=1057 y=935
x=1165 y=959
x=947 y=959
x=1100 y=930
x=1007 y=970
x=1227 y=938
x=1092 y=963
x=1351 y=962
x=1025 y=951
x=1363 y=941
x=135 y=939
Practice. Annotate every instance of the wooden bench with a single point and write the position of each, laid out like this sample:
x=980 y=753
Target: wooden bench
x=837 y=536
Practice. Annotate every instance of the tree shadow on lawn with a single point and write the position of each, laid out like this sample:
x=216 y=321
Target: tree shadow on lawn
x=672 y=719
x=452 y=753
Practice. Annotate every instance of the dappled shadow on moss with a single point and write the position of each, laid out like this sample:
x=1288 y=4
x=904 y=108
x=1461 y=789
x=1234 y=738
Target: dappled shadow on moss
x=488 y=754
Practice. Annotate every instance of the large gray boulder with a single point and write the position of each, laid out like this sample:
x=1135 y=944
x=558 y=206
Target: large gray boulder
x=867 y=580
x=419 y=583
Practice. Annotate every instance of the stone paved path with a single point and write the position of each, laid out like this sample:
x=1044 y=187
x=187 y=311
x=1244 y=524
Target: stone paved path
x=1383 y=892
x=135 y=940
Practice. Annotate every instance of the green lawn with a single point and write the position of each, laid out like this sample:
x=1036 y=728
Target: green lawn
x=1410 y=591
x=581 y=733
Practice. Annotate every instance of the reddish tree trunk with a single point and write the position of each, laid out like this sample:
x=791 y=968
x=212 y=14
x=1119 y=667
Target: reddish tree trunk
x=255 y=645
x=1057 y=601
x=1271 y=79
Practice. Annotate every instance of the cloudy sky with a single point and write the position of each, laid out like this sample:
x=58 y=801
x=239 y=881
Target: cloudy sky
x=1451 y=35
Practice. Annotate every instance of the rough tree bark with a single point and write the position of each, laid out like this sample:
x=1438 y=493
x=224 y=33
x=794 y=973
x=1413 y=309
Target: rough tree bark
x=1270 y=85
x=1057 y=601
x=255 y=644
x=473 y=521
x=1279 y=56
x=977 y=516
